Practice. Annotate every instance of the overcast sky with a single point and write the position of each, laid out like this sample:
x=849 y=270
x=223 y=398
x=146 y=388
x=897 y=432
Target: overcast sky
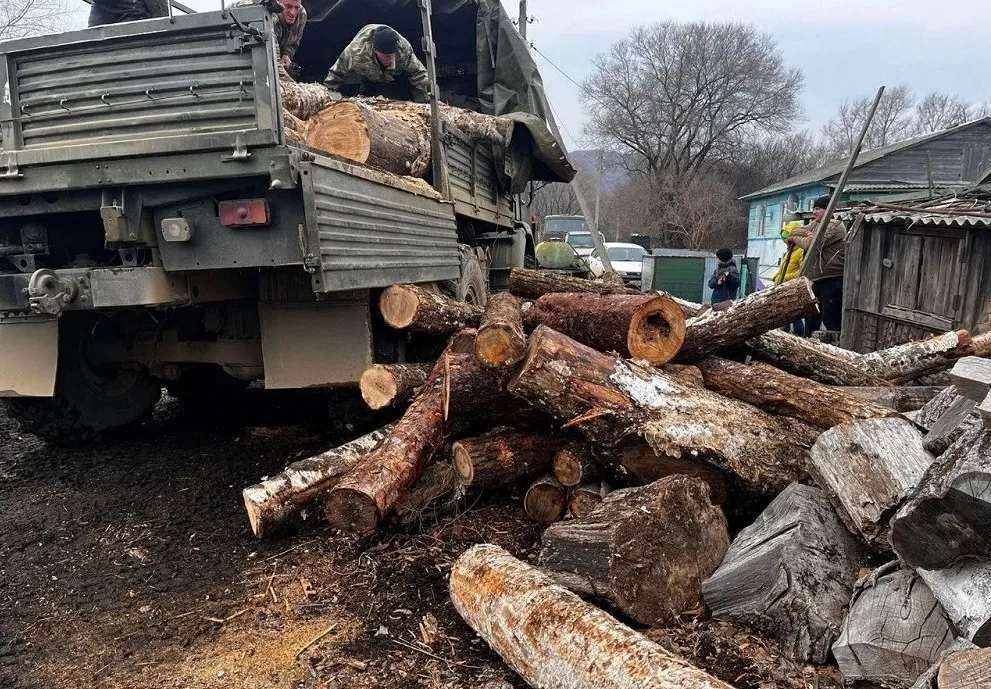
x=845 y=48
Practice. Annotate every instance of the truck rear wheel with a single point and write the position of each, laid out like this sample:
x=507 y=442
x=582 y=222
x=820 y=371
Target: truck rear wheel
x=471 y=288
x=90 y=397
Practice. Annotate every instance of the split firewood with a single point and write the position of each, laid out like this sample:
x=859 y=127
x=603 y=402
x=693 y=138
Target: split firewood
x=927 y=680
x=870 y=467
x=644 y=550
x=414 y=308
x=789 y=575
x=936 y=407
x=947 y=515
x=281 y=500
x=907 y=362
x=575 y=465
x=508 y=603
x=645 y=327
x=747 y=318
x=503 y=457
x=895 y=630
x=527 y=283
x=546 y=500
x=972 y=377
x=964 y=590
x=587 y=497
x=501 y=340
x=391 y=385
x=610 y=399
x=456 y=387
x=796 y=355
x=901 y=398
x=436 y=493
x=969 y=669
x=639 y=464
x=782 y=393
x=951 y=425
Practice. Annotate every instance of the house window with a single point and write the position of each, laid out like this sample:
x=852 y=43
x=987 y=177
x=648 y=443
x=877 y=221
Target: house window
x=760 y=221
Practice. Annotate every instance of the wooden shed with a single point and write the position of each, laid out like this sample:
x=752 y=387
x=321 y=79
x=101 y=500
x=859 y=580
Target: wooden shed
x=917 y=269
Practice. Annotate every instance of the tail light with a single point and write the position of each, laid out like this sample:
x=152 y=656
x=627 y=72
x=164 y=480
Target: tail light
x=245 y=213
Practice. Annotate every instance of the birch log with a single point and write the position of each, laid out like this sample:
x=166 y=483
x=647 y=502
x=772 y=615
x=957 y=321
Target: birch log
x=798 y=356
x=552 y=638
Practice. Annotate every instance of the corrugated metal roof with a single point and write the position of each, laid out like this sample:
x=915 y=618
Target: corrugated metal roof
x=836 y=168
x=970 y=208
x=880 y=186
x=886 y=217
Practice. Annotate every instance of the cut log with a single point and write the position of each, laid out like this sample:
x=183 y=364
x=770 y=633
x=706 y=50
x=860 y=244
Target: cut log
x=304 y=101
x=686 y=375
x=651 y=328
x=457 y=386
x=391 y=385
x=913 y=360
x=284 y=499
x=901 y=399
x=574 y=465
x=796 y=355
x=586 y=498
x=972 y=377
x=927 y=680
x=964 y=591
x=948 y=514
x=609 y=399
x=410 y=307
x=951 y=425
x=504 y=457
x=353 y=130
x=969 y=669
x=747 y=318
x=527 y=283
x=501 y=340
x=934 y=408
x=789 y=575
x=644 y=550
x=984 y=410
x=895 y=630
x=870 y=467
x=546 y=500
x=782 y=393
x=436 y=493
x=488 y=130
x=552 y=638
x=640 y=464
x=295 y=127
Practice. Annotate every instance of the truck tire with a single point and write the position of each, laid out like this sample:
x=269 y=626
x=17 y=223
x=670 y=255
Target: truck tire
x=89 y=398
x=471 y=288
x=206 y=387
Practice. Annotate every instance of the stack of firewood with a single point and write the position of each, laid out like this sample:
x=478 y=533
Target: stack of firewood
x=634 y=423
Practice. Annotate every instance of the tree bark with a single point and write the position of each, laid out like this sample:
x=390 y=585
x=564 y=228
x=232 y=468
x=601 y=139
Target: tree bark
x=574 y=465
x=895 y=630
x=410 y=307
x=391 y=385
x=934 y=408
x=527 y=283
x=586 y=498
x=651 y=328
x=488 y=130
x=905 y=363
x=644 y=550
x=552 y=638
x=610 y=399
x=789 y=575
x=640 y=464
x=870 y=467
x=546 y=500
x=456 y=387
x=964 y=591
x=353 y=130
x=948 y=514
x=747 y=318
x=282 y=500
x=796 y=355
x=951 y=425
x=927 y=680
x=502 y=458
x=295 y=128
x=969 y=669
x=781 y=393
x=501 y=340
x=436 y=493
x=901 y=399
x=304 y=101
x=686 y=375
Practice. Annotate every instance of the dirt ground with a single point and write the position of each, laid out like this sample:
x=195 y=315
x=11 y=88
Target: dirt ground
x=130 y=564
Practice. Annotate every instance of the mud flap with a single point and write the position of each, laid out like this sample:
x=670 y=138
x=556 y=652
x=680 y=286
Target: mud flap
x=28 y=358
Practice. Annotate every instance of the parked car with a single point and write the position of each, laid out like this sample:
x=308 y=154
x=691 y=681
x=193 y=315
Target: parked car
x=626 y=259
x=582 y=242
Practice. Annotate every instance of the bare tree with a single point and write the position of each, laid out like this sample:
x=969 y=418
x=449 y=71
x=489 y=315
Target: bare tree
x=681 y=97
x=892 y=122
x=762 y=162
x=938 y=111
x=554 y=199
x=19 y=18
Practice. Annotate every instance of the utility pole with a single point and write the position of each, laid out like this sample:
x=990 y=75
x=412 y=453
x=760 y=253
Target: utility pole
x=598 y=188
x=524 y=19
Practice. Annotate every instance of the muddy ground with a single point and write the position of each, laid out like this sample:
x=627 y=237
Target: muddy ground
x=130 y=564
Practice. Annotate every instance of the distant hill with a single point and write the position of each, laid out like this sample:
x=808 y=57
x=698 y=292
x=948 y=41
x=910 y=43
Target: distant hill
x=613 y=173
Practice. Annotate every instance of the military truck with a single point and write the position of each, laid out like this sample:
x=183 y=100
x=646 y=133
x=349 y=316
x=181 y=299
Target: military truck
x=156 y=229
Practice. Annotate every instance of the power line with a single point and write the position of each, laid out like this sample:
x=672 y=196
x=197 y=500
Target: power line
x=552 y=64
x=558 y=119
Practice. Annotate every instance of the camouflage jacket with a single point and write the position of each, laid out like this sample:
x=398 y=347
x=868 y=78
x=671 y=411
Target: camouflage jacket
x=358 y=64
x=287 y=36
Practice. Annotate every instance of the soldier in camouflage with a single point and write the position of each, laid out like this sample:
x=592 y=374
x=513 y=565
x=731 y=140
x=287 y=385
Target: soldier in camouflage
x=382 y=63
x=288 y=26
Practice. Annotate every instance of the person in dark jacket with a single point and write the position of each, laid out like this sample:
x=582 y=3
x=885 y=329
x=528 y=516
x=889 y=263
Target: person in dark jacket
x=825 y=266
x=725 y=280
x=117 y=11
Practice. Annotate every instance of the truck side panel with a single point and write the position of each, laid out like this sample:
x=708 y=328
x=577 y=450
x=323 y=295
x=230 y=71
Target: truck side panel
x=364 y=234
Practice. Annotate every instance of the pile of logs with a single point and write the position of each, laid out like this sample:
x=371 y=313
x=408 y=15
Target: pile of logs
x=634 y=426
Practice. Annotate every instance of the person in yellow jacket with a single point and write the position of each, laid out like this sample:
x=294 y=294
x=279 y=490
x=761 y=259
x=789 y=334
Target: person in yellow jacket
x=790 y=265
